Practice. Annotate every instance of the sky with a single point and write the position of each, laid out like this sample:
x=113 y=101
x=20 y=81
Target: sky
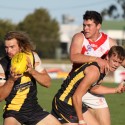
x=17 y=10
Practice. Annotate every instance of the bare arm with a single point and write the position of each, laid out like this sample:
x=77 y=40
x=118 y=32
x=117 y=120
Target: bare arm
x=76 y=47
x=75 y=50
x=6 y=88
x=83 y=88
x=77 y=57
x=40 y=74
x=41 y=77
x=108 y=90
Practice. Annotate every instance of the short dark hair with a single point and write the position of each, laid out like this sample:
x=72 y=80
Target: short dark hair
x=93 y=15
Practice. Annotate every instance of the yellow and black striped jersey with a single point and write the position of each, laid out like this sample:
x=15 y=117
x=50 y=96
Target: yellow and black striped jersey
x=24 y=92
x=71 y=83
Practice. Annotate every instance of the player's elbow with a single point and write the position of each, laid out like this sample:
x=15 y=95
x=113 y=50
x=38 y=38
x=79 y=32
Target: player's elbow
x=47 y=82
x=73 y=58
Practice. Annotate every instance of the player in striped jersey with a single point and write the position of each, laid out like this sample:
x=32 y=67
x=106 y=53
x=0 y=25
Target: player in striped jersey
x=67 y=105
x=21 y=98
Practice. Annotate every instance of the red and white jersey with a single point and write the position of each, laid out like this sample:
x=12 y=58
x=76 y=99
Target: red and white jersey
x=98 y=48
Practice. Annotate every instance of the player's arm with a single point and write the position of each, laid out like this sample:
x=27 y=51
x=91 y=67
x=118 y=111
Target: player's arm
x=6 y=88
x=7 y=85
x=100 y=89
x=41 y=77
x=39 y=73
x=75 y=50
x=77 y=57
x=91 y=76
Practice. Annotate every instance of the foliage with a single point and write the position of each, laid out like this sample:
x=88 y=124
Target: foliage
x=43 y=30
x=113 y=12
x=122 y=3
x=5 y=26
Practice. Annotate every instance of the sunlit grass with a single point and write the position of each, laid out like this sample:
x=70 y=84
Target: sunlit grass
x=116 y=102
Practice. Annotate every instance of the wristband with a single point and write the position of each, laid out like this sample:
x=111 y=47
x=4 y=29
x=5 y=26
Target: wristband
x=82 y=122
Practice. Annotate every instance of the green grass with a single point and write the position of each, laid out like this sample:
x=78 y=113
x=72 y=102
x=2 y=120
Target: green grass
x=116 y=102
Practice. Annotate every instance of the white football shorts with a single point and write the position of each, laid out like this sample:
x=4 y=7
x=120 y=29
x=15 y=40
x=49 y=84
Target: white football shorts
x=94 y=101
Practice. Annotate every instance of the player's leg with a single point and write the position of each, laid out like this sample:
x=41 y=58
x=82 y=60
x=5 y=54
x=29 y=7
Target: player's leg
x=49 y=120
x=11 y=121
x=90 y=118
x=98 y=107
x=103 y=116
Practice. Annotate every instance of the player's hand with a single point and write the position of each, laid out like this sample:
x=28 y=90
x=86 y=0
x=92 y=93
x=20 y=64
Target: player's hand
x=14 y=75
x=120 y=88
x=29 y=66
x=104 y=66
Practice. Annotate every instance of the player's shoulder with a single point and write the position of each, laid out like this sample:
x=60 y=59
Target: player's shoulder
x=36 y=57
x=78 y=36
x=38 y=62
x=112 y=42
x=35 y=53
x=94 y=68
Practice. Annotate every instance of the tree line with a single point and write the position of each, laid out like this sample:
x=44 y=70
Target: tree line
x=44 y=31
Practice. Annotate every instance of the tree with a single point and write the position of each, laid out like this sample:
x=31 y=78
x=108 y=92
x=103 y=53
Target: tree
x=122 y=3
x=5 y=26
x=43 y=30
x=113 y=12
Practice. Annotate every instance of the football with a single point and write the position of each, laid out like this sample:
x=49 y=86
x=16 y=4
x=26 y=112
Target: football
x=19 y=63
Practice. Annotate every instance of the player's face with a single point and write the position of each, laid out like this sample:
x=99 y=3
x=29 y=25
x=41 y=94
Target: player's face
x=11 y=47
x=114 y=62
x=90 y=29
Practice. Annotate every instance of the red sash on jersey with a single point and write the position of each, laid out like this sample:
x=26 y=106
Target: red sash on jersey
x=97 y=44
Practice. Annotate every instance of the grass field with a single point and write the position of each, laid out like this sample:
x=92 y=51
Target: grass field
x=116 y=102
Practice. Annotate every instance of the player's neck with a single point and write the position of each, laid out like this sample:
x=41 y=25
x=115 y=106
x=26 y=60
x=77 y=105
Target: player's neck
x=96 y=37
